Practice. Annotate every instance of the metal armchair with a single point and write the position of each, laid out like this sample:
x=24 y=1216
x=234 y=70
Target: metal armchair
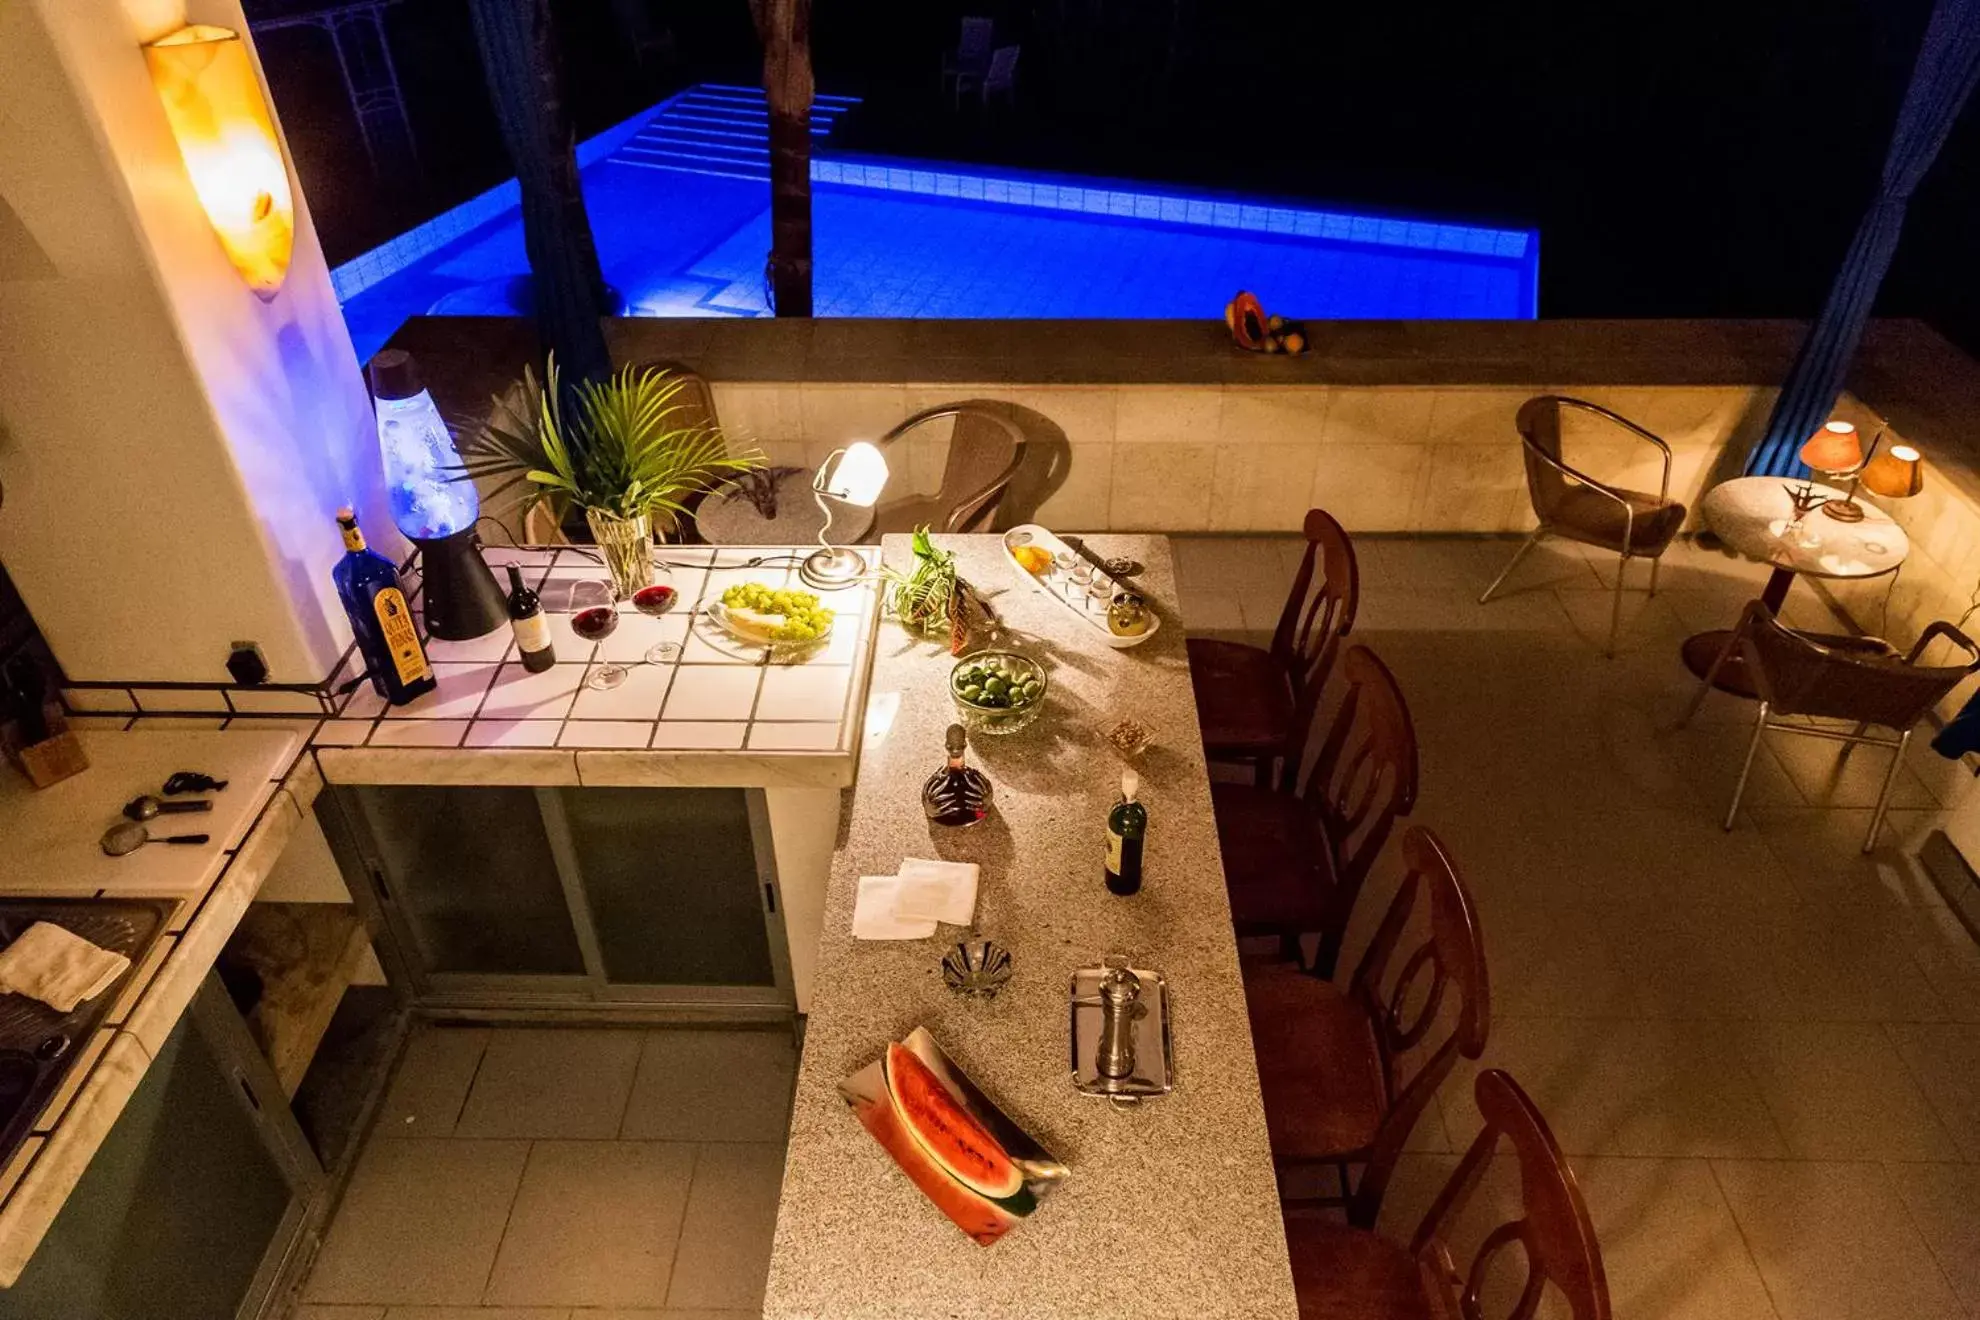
x=985 y=451
x=1570 y=503
x=1861 y=679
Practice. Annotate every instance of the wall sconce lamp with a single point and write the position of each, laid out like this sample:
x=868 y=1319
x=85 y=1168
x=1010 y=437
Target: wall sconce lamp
x=214 y=103
x=854 y=475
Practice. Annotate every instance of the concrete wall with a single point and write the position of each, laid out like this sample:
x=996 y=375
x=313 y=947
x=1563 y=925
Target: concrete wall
x=173 y=448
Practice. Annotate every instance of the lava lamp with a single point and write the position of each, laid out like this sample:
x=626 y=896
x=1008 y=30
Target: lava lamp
x=434 y=503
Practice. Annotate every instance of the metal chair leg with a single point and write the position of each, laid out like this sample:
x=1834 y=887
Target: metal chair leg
x=1861 y=727
x=1746 y=768
x=1884 y=797
x=1615 y=610
x=1538 y=535
x=1704 y=688
x=1655 y=564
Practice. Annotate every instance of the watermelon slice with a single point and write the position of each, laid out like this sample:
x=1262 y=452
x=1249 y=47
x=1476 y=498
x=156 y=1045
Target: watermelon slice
x=951 y=1135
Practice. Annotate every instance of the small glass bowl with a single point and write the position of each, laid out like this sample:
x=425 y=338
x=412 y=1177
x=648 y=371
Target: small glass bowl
x=998 y=719
x=976 y=969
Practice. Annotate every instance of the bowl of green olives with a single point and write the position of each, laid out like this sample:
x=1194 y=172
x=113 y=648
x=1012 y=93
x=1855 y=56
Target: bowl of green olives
x=997 y=691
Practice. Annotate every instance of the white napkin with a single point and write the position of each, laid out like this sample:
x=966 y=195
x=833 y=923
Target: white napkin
x=937 y=891
x=874 y=915
x=58 y=967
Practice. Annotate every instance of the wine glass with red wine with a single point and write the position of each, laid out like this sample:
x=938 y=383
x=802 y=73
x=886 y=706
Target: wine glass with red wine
x=594 y=617
x=653 y=602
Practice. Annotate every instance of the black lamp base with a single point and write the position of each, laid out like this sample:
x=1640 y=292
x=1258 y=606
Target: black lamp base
x=459 y=594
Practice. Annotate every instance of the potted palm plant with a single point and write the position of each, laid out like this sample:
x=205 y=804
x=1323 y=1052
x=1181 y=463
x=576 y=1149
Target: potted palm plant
x=623 y=449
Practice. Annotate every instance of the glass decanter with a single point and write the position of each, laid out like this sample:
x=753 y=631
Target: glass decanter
x=956 y=794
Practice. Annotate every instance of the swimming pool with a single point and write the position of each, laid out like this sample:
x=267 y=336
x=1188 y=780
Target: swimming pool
x=680 y=210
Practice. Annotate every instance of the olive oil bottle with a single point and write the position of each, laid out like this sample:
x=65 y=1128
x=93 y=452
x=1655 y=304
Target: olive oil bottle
x=1127 y=823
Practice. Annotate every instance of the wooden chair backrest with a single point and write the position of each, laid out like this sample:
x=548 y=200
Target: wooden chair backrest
x=1362 y=780
x=1453 y=958
x=1319 y=611
x=1553 y=1230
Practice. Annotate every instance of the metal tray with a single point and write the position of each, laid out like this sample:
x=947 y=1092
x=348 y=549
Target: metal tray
x=1154 y=1057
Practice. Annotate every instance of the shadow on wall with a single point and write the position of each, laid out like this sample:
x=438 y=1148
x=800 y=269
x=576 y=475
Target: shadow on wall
x=1746 y=432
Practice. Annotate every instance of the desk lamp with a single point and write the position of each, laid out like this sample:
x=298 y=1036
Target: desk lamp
x=433 y=503
x=851 y=476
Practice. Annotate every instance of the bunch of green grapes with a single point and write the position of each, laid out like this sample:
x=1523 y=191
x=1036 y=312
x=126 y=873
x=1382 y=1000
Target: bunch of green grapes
x=804 y=618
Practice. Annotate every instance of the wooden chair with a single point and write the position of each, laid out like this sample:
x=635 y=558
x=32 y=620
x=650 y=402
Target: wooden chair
x=1330 y=1059
x=1861 y=679
x=1294 y=863
x=1255 y=706
x=985 y=450
x=1570 y=503
x=1341 y=1272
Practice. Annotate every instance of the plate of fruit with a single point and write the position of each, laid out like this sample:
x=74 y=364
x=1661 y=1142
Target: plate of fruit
x=762 y=615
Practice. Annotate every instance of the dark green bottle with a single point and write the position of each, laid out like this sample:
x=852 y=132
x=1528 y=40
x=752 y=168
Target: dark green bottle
x=1126 y=824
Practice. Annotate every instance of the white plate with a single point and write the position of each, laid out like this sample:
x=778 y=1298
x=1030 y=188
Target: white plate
x=719 y=613
x=1034 y=534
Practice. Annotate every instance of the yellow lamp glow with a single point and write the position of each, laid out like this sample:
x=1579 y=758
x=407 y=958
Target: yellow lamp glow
x=214 y=103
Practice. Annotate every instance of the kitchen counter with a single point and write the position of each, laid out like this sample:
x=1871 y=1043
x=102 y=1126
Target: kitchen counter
x=720 y=713
x=1171 y=1208
x=51 y=849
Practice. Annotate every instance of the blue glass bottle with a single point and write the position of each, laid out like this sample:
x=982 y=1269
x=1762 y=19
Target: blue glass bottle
x=381 y=620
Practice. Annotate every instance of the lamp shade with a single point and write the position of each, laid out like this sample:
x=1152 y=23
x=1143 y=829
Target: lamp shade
x=1894 y=473
x=858 y=475
x=215 y=106
x=1834 y=448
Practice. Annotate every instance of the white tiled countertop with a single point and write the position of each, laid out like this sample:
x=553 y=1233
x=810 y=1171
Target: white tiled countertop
x=51 y=850
x=718 y=713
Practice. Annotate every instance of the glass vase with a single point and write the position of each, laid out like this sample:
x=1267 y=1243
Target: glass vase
x=626 y=545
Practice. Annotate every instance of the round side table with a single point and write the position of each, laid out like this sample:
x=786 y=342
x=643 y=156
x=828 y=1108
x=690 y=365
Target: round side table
x=1749 y=514
x=730 y=517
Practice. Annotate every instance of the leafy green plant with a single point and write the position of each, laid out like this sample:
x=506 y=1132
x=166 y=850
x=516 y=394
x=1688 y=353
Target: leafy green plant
x=622 y=445
x=930 y=597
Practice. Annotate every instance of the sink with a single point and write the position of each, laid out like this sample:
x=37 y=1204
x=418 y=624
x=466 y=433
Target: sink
x=38 y=1046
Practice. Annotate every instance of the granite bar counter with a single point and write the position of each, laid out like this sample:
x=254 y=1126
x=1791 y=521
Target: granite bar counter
x=1170 y=1209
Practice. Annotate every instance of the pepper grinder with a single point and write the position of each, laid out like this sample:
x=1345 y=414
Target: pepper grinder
x=1120 y=995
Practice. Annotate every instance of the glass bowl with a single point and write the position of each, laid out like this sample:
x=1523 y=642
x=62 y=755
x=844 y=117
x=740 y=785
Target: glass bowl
x=986 y=710
x=976 y=969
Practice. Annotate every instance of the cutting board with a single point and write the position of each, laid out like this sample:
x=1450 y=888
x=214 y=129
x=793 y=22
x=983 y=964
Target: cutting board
x=49 y=837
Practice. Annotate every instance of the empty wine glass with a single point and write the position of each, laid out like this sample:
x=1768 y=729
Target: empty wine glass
x=654 y=601
x=594 y=617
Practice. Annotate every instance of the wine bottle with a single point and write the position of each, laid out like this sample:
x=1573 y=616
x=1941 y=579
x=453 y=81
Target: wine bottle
x=381 y=620
x=1126 y=824
x=531 y=627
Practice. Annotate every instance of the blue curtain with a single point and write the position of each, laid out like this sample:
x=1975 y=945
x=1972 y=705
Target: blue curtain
x=1948 y=66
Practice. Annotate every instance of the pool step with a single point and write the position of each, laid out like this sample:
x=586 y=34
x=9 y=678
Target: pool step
x=720 y=129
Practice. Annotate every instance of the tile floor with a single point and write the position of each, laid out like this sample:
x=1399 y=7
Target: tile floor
x=563 y=1174
x=1760 y=1049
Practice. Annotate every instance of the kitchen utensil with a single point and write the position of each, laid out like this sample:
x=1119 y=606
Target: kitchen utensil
x=976 y=969
x=1104 y=566
x=127 y=836
x=146 y=806
x=1120 y=993
x=192 y=781
x=1151 y=1068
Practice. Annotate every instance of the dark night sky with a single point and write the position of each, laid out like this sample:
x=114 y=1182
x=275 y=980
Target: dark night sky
x=1680 y=159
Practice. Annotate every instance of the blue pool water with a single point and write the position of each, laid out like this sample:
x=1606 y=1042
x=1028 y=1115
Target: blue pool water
x=679 y=206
